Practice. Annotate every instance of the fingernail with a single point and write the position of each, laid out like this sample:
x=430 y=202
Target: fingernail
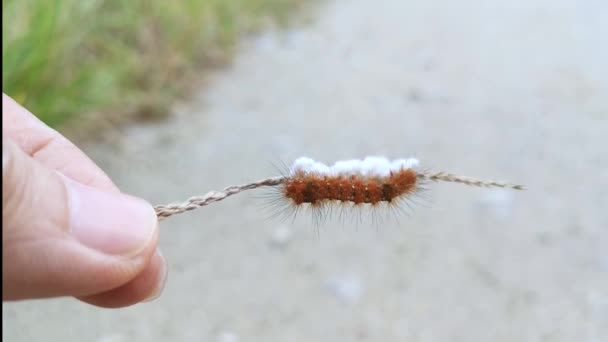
x=111 y=223
x=162 y=278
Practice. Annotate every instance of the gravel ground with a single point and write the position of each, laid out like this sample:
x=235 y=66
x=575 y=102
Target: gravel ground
x=510 y=90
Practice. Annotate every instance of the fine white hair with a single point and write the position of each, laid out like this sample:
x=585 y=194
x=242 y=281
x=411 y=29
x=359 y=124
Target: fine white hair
x=370 y=166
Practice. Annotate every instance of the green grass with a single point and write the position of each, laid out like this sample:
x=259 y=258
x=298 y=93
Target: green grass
x=63 y=59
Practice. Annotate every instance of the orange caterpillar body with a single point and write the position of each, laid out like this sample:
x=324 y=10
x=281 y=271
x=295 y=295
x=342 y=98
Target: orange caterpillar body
x=317 y=189
x=373 y=182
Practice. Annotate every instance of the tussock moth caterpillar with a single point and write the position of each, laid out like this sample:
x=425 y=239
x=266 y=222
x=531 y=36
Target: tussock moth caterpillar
x=371 y=182
x=375 y=183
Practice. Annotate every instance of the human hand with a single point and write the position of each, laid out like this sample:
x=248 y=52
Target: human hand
x=66 y=228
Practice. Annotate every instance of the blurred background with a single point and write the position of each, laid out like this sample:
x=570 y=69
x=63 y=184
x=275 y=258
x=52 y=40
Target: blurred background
x=127 y=59
x=508 y=90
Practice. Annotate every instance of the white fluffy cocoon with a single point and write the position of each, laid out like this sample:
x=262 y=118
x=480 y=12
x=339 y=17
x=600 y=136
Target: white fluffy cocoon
x=370 y=166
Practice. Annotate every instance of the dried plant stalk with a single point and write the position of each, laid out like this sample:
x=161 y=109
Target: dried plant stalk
x=448 y=177
x=164 y=211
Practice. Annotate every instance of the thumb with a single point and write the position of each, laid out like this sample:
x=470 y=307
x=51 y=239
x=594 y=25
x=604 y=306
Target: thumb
x=63 y=238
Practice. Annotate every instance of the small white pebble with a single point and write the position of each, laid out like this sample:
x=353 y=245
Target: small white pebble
x=348 y=289
x=281 y=236
x=227 y=336
x=497 y=202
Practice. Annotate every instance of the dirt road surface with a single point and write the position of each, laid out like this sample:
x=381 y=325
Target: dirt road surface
x=514 y=90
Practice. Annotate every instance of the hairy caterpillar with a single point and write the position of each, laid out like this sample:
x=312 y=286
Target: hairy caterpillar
x=373 y=182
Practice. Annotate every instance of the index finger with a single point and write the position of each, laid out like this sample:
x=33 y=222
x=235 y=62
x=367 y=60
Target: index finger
x=49 y=147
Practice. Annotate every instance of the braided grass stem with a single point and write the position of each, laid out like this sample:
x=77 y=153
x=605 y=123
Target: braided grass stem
x=449 y=177
x=163 y=211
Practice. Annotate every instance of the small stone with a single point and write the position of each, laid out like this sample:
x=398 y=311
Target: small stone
x=280 y=237
x=498 y=203
x=228 y=336
x=348 y=289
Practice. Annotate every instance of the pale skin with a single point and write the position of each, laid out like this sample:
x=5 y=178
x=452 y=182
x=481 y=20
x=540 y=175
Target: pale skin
x=67 y=230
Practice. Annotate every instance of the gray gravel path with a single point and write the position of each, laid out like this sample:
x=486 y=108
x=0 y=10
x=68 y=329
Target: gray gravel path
x=515 y=90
